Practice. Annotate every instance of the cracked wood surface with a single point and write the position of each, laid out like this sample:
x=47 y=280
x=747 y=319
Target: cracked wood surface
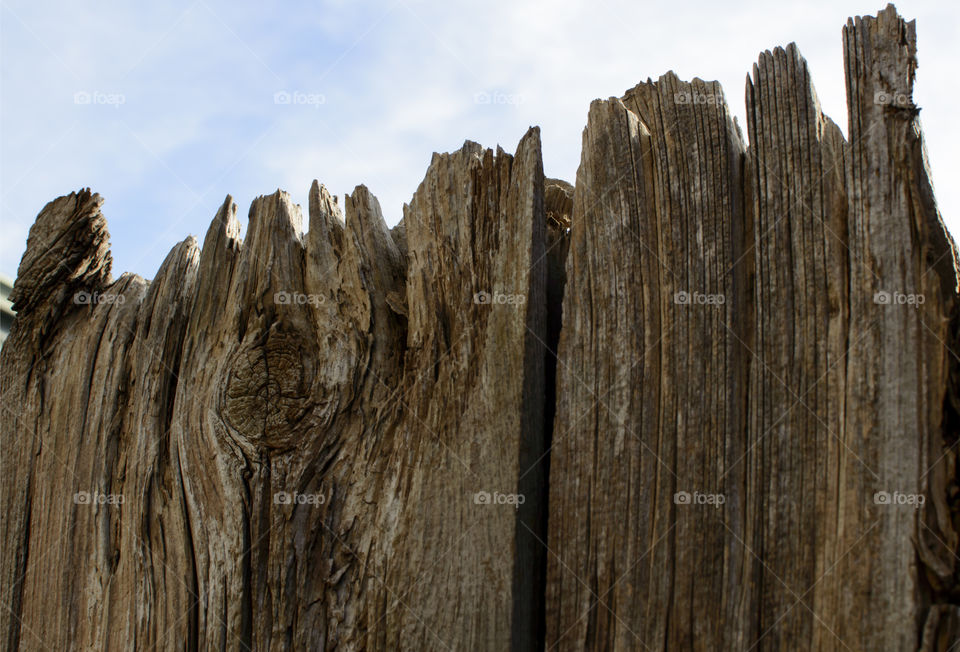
x=683 y=403
x=789 y=408
x=351 y=364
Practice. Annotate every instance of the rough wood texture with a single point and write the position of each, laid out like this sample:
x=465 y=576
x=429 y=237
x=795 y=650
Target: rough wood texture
x=706 y=398
x=792 y=408
x=345 y=365
x=648 y=400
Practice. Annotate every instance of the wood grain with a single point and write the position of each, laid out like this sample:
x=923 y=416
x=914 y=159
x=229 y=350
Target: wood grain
x=705 y=398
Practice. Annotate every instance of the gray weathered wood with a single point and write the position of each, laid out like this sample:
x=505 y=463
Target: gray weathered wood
x=689 y=402
x=808 y=392
x=351 y=363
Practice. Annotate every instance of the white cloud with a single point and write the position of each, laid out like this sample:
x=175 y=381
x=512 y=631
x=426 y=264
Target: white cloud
x=399 y=79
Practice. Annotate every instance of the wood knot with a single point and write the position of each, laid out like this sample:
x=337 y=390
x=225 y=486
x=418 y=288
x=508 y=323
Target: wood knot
x=267 y=399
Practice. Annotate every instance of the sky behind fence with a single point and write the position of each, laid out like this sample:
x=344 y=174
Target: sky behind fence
x=164 y=108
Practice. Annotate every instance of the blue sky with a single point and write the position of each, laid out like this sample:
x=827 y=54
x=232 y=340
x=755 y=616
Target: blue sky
x=164 y=108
